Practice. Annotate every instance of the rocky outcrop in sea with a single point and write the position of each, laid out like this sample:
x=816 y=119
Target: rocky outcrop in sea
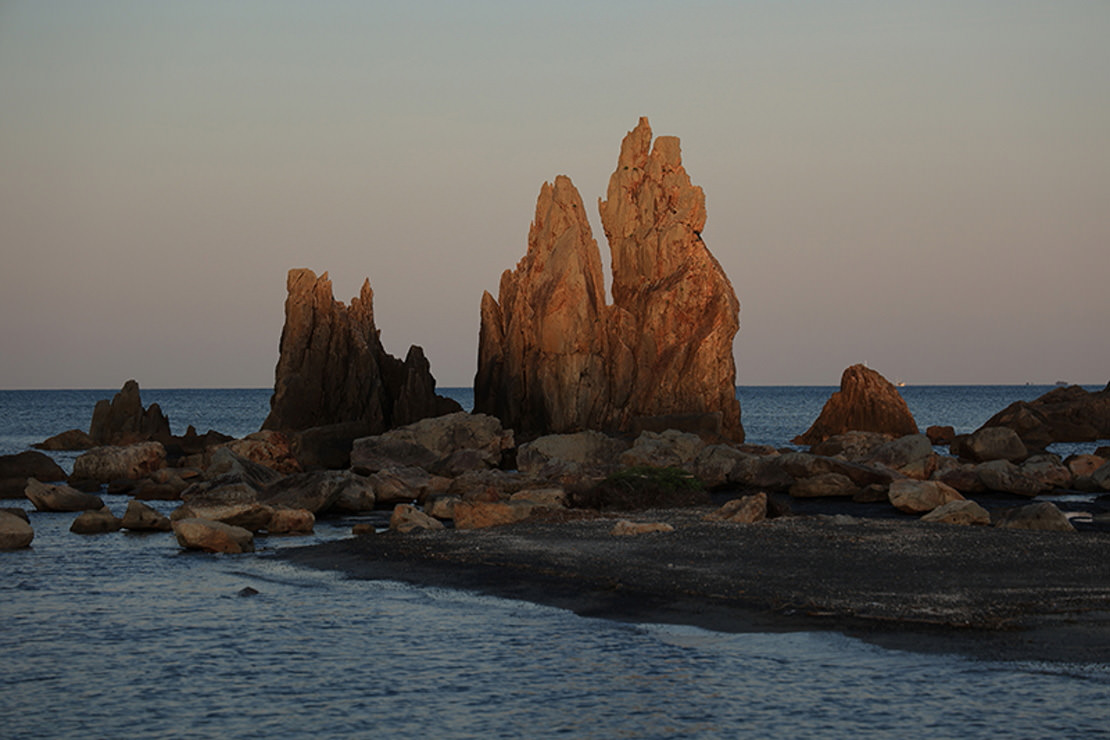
x=332 y=368
x=866 y=402
x=554 y=357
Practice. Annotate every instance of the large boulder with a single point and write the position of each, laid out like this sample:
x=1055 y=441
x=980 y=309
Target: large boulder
x=824 y=485
x=866 y=402
x=333 y=369
x=141 y=518
x=123 y=420
x=51 y=497
x=919 y=497
x=356 y=495
x=433 y=443
x=315 y=492
x=225 y=461
x=991 y=443
x=405 y=485
x=271 y=449
x=961 y=512
x=853 y=446
x=328 y=447
x=1070 y=414
x=407 y=518
x=569 y=452
x=553 y=357
x=662 y=450
x=744 y=510
x=69 y=440
x=1042 y=515
x=482 y=514
x=15 y=532
x=105 y=464
x=16 y=469
x=100 y=521
x=910 y=455
x=1003 y=476
x=212 y=536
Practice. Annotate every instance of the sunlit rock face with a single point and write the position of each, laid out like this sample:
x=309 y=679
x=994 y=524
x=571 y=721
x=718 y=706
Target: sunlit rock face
x=333 y=369
x=866 y=402
x=543 y=347
x=675 y=312
x=554 y=357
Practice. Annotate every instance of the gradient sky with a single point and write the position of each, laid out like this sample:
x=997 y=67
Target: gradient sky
x=921 y=186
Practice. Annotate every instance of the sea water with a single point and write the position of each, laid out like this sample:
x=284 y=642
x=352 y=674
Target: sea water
x=125 y=635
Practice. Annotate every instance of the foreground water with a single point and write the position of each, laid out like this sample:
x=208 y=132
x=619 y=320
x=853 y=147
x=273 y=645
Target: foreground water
x=124 y=635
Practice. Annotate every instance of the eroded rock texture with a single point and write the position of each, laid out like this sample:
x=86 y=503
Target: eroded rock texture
x=554 y=357
x=332 y=368
x=866 y=402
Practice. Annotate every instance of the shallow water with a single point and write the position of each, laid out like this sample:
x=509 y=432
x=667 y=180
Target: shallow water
x=123 y=635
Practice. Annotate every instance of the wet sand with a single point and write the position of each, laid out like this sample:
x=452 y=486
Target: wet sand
x=979 y=591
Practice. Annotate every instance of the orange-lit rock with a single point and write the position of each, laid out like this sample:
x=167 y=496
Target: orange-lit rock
x=555 y=358
x=866 y=402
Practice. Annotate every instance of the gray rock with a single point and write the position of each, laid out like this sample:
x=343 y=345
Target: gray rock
x=15 y=532
x=991 y=443
x=1042 y=515
x=100 y=521
x=105 y=464
x=51 y=497
x=141 y=518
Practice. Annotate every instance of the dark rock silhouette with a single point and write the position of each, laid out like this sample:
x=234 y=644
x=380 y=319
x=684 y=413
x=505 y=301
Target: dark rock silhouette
x=332 y=368
x=124 y=421
x=866 y=402
x=1068 y=414
x=553 y=357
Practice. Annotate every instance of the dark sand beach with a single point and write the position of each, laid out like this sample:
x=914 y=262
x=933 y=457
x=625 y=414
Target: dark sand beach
x=980 y=591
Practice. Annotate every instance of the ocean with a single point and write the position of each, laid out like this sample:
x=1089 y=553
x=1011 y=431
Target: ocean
x=127 y=636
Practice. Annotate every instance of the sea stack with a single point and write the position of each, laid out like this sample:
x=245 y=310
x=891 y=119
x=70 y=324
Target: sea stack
x=332 y=368
x=554 y=357
x=866 y=402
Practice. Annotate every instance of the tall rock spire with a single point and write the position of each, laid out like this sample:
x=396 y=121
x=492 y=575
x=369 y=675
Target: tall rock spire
x=554 y=357
x=333 y=369
x=678 y=303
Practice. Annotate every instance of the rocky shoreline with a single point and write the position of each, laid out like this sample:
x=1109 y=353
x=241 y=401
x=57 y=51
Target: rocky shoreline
x=985 y=592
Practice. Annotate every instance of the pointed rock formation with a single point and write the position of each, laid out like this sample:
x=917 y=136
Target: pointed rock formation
x=542 y=347
x=555 y=358
x=332 y=368
x=676 y=312
x=866 y=402
x=124 y=421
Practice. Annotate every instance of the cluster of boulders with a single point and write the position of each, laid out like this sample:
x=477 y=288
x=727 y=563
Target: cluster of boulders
x=466 y=469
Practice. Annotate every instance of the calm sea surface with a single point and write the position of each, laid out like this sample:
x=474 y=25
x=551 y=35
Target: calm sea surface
x=127 y=636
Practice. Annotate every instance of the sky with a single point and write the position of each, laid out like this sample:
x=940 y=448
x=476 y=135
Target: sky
x=924 y=187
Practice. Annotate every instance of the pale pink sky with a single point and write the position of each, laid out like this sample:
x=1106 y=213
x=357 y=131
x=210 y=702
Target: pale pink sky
x=921 y=186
